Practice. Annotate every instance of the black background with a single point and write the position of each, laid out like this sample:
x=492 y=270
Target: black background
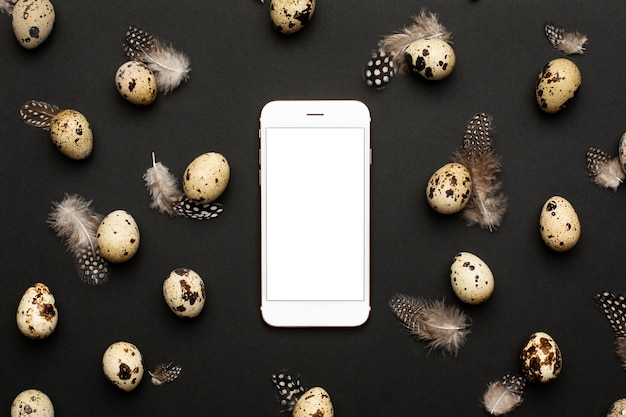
x=239 y=62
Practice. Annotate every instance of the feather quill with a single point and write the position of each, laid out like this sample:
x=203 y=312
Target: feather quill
x=6 y=6
x=567 y=42
x=487 y=204
x=425 y=25
x=164 y=374
x=167 y=197
x=606 y=170
x=38 y=113
x=170 y=66
x=503 y=396
x=614 y=308
x=442 y=327
x=76 y=223
x=288 y=389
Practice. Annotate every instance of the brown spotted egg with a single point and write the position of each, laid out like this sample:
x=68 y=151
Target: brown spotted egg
x=289 y=16
x=622 y=151
x=559 y=224
x=136 y=83
x=449 y=188
x=122 y=364
x=618 y=408
x=206 y=177
x=471 y=278
x=184 y=292
x=71 y=134
x=32 y=21
x=541 y=358
x=32 y=403
x=314 y=402
x=118 y=236
x=432 y=58
x=557 y=85
x=37 y=314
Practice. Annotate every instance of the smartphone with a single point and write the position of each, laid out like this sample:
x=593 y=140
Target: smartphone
x=314 y=178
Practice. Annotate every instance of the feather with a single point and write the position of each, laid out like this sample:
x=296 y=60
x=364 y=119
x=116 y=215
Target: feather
x=567 y=42
x=288 y=389
x=441 y=326
x=167 y=197
x=379 y=70
x=38 y=113
x=425 y=25
x=164 y=374
x=502 y=396
x=487 y=204
x=76 y=223
x=614 y=308
x=606 y=170
x=170 y=67
x=6 y=6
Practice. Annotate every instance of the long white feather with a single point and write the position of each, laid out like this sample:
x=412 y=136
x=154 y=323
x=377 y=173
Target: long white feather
x=163 y=188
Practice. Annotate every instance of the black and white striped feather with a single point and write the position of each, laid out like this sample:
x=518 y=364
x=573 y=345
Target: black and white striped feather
x=38 y=113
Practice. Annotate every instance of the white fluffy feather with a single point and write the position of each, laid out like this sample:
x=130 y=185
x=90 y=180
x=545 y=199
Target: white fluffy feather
x=501 y=397
x=163 y=188
x=6 y=6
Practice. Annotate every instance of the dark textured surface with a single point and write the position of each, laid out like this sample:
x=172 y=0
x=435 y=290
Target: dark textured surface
x=239 y=62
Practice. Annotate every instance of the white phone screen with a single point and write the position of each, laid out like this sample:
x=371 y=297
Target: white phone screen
x=316 y=238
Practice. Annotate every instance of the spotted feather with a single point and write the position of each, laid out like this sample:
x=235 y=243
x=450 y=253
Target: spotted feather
x=38 y=113
x=288 y=389
x=614 y=307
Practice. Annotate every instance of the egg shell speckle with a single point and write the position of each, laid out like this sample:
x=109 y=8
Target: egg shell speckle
x=32 y=403
x=559 y=224
x=184 y=292
x=37 y=315
x=314 y=403
x=136 y=83
x=32 y=21
x=449 y=188
x=290 y=16
x=118 y=236
x=557 y=85
x=122 y=364
x=622 y=151
x=541 y=358
x=433 y=59
x=206 y=177
x=471 y=278
x=618 y=408
x=71 y=134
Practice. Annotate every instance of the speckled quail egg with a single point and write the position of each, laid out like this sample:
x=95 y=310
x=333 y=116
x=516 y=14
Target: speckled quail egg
x=71 y=134
x=184 y=292
x=314 y=402
x=471 y=278
x=432 y=58
x=559 y=224
x=118 y=236
x=206 y=177
x=618 y=408
x=541 y=358
x=32 y=403
x=122 y=364
x=622 y=151
x=136 y=83
x=557 y=84
x=449 y=188
x=290 y=16
x=32 y=21
x=37 y=314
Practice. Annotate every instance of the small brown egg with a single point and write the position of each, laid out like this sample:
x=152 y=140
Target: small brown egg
x=118 y=236
x=32 y=21
x=71 y=134
x=557 y=84
x=449 y=188
x=122 y=364
x=541 y=358
x=32 y=403
x=37 y=314
x=206 y=177
x=559 y=224
x=432 y=58
x=290 y=16
x=184 y=292
x=136 y=83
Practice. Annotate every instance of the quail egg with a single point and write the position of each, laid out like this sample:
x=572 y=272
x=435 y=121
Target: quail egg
x=184 y=292
x=290 y=16
x=32 y=403
x=432 y=58
x=206 y=177
x=32 y=21
x=37 y=314
x=314 y=402
x=71 y=134
x=557 y=84
x=559 y=224
x=118 y=236
x=136 y=83
x=449 y=188
x=471 y=278
x=541 y=358
x=618 y=408
x=122 y=364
